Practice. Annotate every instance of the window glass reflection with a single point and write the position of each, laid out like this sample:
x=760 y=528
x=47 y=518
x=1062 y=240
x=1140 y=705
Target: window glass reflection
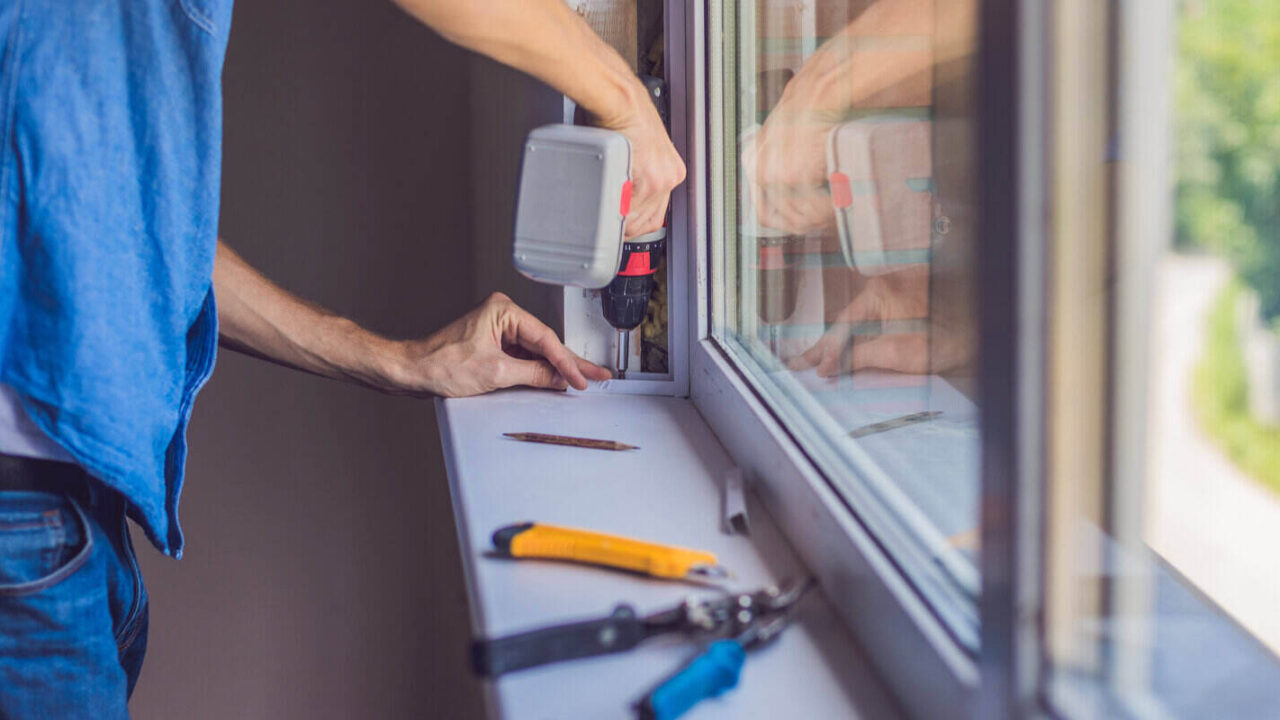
x=849 y=271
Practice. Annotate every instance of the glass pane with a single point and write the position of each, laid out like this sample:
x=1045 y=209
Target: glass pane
x=1214 y=383
x=1163 y=582
x=844 y=260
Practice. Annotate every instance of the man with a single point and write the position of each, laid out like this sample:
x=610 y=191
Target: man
x=110 y=130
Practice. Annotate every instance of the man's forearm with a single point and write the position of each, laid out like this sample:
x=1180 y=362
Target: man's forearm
x=545 y=39
x=494 y=346
x=259 y=318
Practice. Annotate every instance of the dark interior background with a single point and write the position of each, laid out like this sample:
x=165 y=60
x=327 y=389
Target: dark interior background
x=321 y=576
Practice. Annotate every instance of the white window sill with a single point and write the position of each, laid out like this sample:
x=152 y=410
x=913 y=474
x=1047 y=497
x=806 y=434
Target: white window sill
x=668 y=491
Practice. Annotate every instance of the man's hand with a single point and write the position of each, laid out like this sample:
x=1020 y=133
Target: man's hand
x=497 y=345
x=656 y=167
x=548 y=40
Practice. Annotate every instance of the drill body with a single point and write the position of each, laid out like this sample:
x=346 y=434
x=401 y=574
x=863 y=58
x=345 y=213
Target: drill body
x=573 y=199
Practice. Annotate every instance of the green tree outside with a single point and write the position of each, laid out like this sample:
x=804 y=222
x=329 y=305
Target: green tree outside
x=1227 y=96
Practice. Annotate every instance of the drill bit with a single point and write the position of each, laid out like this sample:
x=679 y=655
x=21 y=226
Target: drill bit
x=624 y=353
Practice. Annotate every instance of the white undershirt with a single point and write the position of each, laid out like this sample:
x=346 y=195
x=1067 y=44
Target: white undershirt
x=20 y=436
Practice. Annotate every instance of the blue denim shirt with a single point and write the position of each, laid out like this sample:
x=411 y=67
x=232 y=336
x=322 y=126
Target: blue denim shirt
x=111 y=124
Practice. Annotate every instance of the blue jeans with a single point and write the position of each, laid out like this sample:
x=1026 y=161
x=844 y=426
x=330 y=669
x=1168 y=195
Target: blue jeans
x=73 y=610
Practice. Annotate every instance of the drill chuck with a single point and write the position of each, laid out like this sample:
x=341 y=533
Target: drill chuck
x=625 y=300
x=626 y=297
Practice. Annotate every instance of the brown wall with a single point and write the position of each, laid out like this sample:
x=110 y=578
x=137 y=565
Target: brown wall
x=505 y=106
x=321 y=577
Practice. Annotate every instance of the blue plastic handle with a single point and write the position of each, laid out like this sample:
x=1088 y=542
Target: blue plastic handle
x=709 y=675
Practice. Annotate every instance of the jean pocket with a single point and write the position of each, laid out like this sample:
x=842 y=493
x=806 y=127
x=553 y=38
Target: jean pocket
x=44 y=539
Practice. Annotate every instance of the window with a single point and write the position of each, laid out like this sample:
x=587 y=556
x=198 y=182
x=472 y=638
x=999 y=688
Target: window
x=1163 y=474
x=843 y=263
x=947 y=291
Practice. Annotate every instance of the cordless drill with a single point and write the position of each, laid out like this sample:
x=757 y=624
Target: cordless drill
x=626 y=297
x=571 y=206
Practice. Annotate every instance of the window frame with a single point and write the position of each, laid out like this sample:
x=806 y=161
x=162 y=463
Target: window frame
x=887 y=616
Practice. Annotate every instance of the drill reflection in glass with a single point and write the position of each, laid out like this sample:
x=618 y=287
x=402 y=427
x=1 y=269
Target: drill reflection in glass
x=778 y=286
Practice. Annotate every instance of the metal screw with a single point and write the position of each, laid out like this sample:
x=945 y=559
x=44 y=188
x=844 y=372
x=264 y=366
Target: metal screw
x=657 y=91
x=744 y=617
x=942 y=225
x=744 y=601
x=608 y=636
x=599 y=156
x=584 y=265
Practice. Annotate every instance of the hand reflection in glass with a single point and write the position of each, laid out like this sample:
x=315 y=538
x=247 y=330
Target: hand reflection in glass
x=882 y=59
x=864 y=336
x=853 y=123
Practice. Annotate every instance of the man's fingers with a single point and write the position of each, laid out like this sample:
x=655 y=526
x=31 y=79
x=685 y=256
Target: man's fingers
x=656 y=170
x=558 y=357
x=592 y=370
x=646 y=217
x=532 y=373
x=534 y=336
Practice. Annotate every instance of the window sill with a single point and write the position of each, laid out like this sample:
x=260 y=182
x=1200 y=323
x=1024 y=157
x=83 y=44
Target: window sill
x=668 y=491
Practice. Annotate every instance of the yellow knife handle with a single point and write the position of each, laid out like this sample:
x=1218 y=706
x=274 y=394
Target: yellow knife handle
x=557 y=543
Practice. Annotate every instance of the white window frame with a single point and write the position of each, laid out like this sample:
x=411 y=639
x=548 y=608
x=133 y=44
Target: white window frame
x=917 y=657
